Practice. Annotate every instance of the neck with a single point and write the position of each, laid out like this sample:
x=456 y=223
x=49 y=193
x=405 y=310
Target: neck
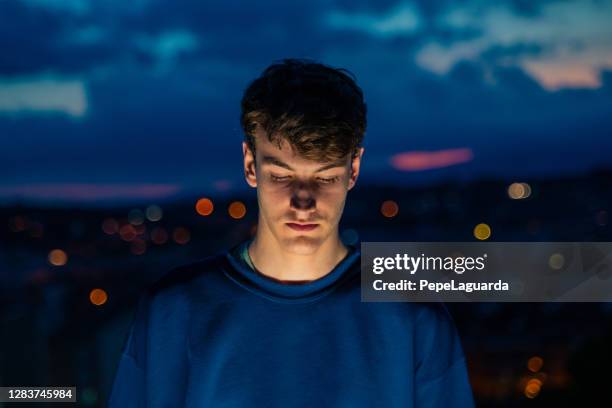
x=274 y=261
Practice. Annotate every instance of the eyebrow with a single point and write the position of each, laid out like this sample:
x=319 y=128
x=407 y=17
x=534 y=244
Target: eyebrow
x=277 y=162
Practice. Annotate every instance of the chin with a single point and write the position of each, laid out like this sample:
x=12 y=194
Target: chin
x=302 y=244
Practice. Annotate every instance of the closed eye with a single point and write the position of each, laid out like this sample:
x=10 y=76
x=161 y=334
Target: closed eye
x=323 y=180
x=278 y=178
x=329 y=180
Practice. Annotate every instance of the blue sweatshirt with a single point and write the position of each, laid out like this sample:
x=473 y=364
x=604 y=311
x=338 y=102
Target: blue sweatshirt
x=218 y=333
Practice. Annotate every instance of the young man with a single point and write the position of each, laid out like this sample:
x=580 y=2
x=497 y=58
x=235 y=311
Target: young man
x=277 y=321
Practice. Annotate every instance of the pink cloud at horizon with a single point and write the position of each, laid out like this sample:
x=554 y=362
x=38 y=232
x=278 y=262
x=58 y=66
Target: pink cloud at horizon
x=223 y=185
x=427 y=160
x=89 y=191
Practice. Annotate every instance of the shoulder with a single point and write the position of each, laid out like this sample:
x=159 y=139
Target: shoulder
x=172 y=295
x=176 y=286
x=186 y=273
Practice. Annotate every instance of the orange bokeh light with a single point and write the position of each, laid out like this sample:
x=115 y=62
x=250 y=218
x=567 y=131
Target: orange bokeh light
x=389 y=208
x=532 y=389
x=98 y=296
x=237 y=210
x=534 y=364
x=57 y=257
x=204 y=206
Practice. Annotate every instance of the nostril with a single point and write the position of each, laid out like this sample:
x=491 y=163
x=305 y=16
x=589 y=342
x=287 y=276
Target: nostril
x=303 y=203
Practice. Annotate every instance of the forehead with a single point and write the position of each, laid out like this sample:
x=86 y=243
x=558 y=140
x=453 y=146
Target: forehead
x=268 y=153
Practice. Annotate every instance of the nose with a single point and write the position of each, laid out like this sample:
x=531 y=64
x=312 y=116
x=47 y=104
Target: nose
x=303 y=200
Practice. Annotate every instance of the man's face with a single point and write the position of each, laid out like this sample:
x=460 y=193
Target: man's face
x=292 y=190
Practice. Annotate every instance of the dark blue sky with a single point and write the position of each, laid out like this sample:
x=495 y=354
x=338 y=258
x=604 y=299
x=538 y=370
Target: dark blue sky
x=140 y=99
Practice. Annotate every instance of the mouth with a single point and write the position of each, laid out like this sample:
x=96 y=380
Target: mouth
x=302 y=227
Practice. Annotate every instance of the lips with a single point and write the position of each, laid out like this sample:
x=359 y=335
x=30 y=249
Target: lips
x=302 y=227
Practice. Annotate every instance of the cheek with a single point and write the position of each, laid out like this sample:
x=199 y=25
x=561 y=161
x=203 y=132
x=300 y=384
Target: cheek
x=331 y=200
x=272 y=198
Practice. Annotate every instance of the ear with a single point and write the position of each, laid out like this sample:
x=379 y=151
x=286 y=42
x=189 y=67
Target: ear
x=355 y=165
x=250 y=173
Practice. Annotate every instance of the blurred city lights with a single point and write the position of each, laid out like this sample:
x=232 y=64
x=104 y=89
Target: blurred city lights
x=532 y=389
x=57 y=257
x=534 y=364
x=237 y=210
x=138 y=246
x=154 y=213
x=110 y=226
x=17 y=224
x=350 y=236
x=518 y=191
x=127 y=232
x=556 y=261
x=204 y=206
x=159 y=236
x=140 y=229
x=135 y=217
x=98 y=296
x=181 y=235
x=389 y=208
x=482 y=231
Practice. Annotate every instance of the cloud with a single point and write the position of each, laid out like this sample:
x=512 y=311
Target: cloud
x=568 y=72
x=574 y=39
x=36 y=39
x=401 y=19
x=88 y=192
x=478 y=83
x=166 y=47
x=79 y=7
x=86 y=35
x=40 y=94
x=427 y=160
x=82 y=8
x=440 y=59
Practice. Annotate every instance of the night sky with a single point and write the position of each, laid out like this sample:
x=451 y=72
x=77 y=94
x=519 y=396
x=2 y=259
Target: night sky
x=140 y=99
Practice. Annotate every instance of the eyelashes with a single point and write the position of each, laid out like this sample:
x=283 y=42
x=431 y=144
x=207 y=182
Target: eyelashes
x=279 y=179
x=323 y=180
x=330 y=180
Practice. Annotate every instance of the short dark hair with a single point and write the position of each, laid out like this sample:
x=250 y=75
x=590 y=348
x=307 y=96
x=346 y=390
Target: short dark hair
x=318 y=109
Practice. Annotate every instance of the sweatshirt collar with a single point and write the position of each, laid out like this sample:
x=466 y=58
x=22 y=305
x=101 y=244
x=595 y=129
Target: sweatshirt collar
x=241 y=273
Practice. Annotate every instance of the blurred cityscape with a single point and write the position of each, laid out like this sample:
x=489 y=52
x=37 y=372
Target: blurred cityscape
x=70 y=278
